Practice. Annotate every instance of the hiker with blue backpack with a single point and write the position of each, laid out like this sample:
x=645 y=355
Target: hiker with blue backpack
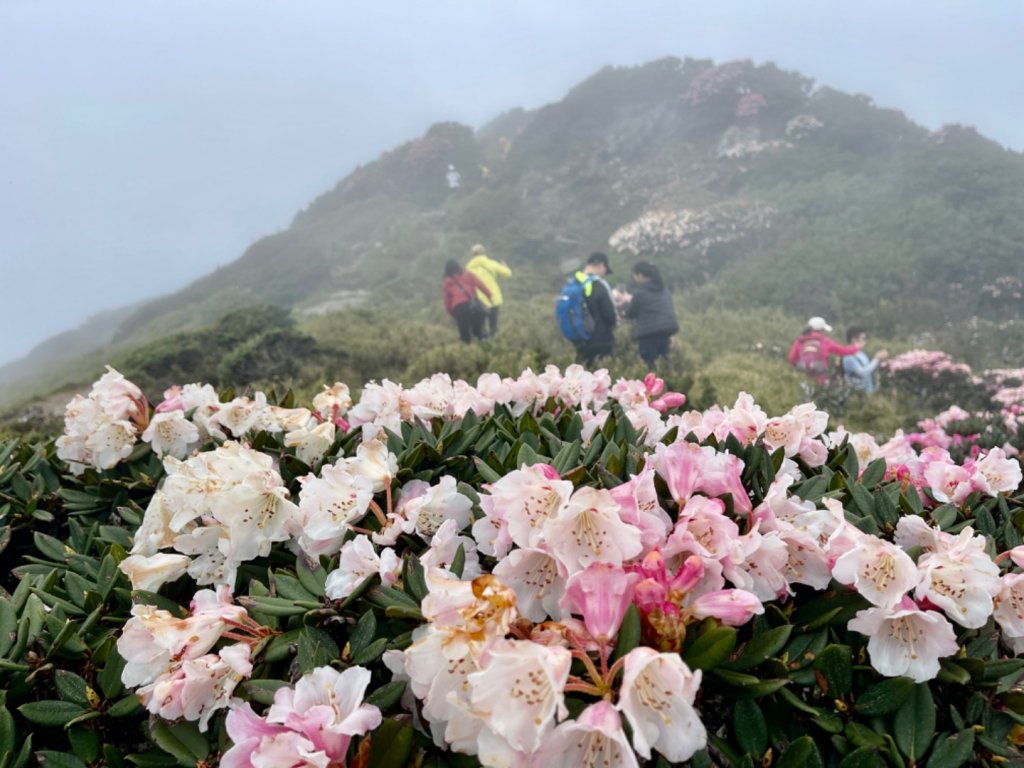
x=585 y=311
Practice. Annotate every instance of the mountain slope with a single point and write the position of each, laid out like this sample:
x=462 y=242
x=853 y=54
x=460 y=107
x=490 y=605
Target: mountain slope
x=746 y=184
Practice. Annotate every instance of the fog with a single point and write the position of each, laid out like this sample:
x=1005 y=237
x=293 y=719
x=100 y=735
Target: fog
x=144 y=144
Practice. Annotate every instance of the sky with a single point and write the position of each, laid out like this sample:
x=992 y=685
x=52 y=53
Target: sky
x=144 y=143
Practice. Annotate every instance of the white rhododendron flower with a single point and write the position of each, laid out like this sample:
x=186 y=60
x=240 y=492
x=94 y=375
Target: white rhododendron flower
x=882 y=572
x=903 y=640
x=519 y=690
x=658 y=691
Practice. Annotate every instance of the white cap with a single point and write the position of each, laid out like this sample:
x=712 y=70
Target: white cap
x=819 y=324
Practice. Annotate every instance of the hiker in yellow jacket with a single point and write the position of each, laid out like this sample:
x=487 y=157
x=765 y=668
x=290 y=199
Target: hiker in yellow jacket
x=488 y=270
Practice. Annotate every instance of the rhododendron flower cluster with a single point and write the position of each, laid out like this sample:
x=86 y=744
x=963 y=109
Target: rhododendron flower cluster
x=801 y=126
x=659 y=231
x=549 y=616
x=722 y=78
x=101 y=430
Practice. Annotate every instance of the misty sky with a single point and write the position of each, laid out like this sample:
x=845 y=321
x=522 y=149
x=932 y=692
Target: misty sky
x=144 y=143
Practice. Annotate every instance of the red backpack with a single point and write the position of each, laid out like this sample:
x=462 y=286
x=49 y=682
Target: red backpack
x=811 y=358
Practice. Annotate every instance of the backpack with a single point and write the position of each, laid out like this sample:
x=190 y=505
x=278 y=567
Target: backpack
x=811 y=358
x=571 y=309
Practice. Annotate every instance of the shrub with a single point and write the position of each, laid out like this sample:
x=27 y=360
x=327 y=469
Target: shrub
x=717 y=587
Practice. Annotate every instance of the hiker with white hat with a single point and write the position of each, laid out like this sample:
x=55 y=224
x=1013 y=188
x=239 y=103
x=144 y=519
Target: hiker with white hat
x=811 y=351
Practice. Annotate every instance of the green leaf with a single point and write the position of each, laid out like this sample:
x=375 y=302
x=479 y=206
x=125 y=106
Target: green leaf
x=749 y=727
x=109 y=678
x=914 y=724
x=953 y=751
x=23 y=754
x=884 y=697
x=863 y=757
x=263 y=690
x=85 y=744
x=124 y=707
x=291 y=588
x=391 y=745
x=387 y=695
x=312 y=576
x=183 y=741
x=52 y=548
x=459 y=561
x=711 y=648
x=801 y=753
x=834 y=670
x=762 y=646
x=873 y=473
x=363 y=632
x=8 y=626
x=629 y=633
x=275 y=606
x=48 y=757
x=71 y=687
x=371 y=652
x=8 y=735
x=51 y=712
x=316 y=649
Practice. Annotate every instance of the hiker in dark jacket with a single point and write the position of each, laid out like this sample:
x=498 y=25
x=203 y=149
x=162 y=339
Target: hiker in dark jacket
x=649 y=305
x=598 y=296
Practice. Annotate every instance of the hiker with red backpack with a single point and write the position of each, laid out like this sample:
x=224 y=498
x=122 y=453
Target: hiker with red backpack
x=459 y=290
x=811 y=351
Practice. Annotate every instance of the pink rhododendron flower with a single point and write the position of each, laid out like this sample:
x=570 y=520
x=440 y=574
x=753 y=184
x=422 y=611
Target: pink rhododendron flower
x=326 y=706
x=904 y=640
x=732 y=607
x=995 y=473
x=601 y=594
x=657 y=695
x=328 y=506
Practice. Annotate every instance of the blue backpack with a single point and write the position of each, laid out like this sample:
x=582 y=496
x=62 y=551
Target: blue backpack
x=571 y=309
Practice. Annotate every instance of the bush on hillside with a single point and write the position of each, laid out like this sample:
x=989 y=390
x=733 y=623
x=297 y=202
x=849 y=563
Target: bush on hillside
x=548 y=568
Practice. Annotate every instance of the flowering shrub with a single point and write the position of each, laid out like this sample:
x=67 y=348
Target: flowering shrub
x=750 y=104
x=801 y=126
x=995 y=399
x=723 y=78
x=552 y=569
x=659 y=231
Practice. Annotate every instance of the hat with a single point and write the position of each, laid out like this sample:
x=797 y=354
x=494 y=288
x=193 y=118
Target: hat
x=600 y=258
x=819 y=324
x=477 y=249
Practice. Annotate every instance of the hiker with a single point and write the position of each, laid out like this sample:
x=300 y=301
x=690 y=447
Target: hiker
x=460 y=289
x=857 y=368
x=488 y=271
x=811 y=351
x=453 y=177
x=649 y=305
x=586 y=312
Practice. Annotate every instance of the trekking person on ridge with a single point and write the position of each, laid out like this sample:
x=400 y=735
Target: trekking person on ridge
x=650 y=306
x=811 y=351
x=596 y=337
x=487 y=270
x=857 y=368
x=459 y=290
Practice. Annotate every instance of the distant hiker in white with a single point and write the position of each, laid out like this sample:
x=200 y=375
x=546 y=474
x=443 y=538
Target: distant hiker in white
x=453 y=177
